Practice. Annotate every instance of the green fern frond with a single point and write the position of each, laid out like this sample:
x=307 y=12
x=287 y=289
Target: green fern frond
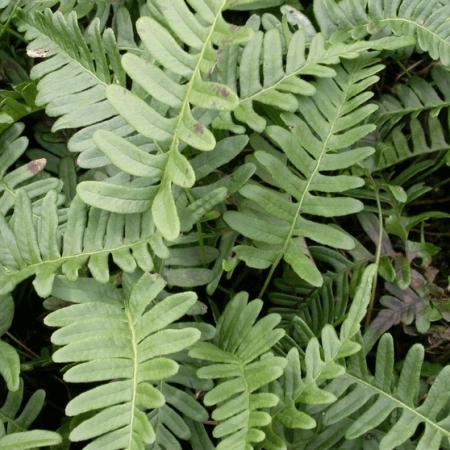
x=316 y=142
x=327 y=304
x=321 y=361
x=14 y=422
x=26 y=177
x=414 y=121
x=69 y=240
x=73 y=77
x=281 y=79
x=374 y=401
x=240 y=360
x=425 y=20
x=201 y=32
x=33 y=244
x=123 y=341
x=413 y=98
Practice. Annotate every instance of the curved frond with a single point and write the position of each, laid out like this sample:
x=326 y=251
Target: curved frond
x=88 y=237
x=425 y=20
x=375 y=400
x=124 y=342
x=240 y=361
x=315 y=142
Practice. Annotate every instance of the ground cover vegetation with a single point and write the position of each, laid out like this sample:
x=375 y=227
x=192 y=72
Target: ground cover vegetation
x=224 y=224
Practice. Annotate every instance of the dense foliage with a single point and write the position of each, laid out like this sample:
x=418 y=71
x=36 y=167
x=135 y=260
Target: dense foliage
x=223 y=224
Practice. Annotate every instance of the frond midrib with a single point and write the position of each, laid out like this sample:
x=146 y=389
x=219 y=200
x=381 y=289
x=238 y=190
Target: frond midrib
x=408 y=111
x=134 y=346
x=294 y=74
x=397 y=401
x=306 y=189
x=190 y=85
x=70 y=57
x=33 y=268
x=416 y=24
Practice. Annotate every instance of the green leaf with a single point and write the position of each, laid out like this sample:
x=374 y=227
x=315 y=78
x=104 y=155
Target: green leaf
x=165 y=213
x=116 y=198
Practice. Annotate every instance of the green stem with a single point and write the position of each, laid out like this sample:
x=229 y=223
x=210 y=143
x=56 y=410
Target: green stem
x=378 y=252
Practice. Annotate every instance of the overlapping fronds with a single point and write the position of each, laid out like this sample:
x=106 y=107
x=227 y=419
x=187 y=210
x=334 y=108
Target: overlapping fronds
x=83 y=236
x=304 y=378
x=188 y=87
x=241 y=362
x=15 y=420
x=314 y=143
x=426 y=20
x=73 y=77
x=280 y=81
x=317 y=307
x=42 y=246
x=379 y=399
x=123 y=340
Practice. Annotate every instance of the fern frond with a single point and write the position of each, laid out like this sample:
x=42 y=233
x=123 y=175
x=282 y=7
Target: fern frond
x=14 y=422
x=281 y=79
x=87 y=238
x=374 y=400
x=32 y=244
x=240 y=359
x=330 y=122
x=71 y=239
x=201 y=33
x=414 y=121
x=322 y=360
x=425 y=20
x=123 y=341
x=413 y=98
x=26 y=177
x=327 y=304
x=73 y=77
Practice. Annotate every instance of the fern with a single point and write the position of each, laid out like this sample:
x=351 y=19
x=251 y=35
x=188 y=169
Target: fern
x=279 y=82
x=26 y=177
x=318 y=306
x=170 y=141
x=321 y=363
x=278 y=228
x=135 y=340
x=358 y=388
x=282 y=78
x=9 y=358
x=14 y=423
x=425 y=20
x=89 y=237
x=200 y=34
x=239 y=356
x=73 y=77
x=425 y=110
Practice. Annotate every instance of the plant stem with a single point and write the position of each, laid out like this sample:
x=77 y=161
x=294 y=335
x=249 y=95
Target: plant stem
x=377 y=254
